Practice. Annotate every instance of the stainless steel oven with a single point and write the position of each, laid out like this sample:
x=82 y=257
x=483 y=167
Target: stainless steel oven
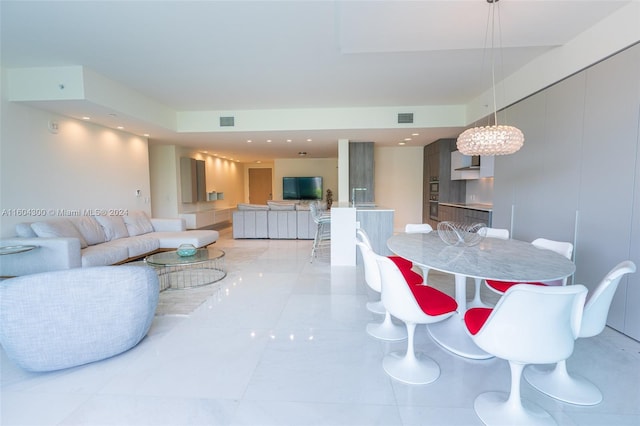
x=433 y=206
x=433 y=210
x=434 y=189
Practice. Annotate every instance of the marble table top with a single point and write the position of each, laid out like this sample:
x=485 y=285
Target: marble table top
x=493 y=258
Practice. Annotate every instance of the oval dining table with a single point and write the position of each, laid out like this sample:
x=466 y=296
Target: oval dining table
x=492 y=258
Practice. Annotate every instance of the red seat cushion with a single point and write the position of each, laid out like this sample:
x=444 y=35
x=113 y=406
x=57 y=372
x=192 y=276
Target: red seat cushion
x=475 y=318
x=432 y=301
x=412 y=278
x=401 y=262
x=503 y=286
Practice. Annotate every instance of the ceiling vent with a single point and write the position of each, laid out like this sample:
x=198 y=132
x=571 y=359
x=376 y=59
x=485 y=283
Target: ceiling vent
x=227 y=121
x=405 y=117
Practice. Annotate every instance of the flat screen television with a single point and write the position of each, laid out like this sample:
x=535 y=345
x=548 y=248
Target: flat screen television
x=302 y=188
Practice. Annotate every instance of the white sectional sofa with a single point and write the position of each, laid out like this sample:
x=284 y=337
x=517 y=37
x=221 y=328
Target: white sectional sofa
x=85 y=241
x=275 y=220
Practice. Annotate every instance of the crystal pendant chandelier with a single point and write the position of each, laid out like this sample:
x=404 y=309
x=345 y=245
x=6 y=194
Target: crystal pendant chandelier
x=496 y=139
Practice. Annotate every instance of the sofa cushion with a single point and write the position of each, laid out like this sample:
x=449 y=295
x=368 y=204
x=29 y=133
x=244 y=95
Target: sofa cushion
x=113 y=226
x=58 y=228
x=243 y=206
x=90 y=229
x=138 y=245
x=199 y=238
x=24 y=230
x=104 y=254
x=138 y=223
x=281 y=205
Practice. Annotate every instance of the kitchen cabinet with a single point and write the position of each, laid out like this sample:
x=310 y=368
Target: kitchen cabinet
x=192 y=180
x=378 y=224
x=464 y=215
x=361 y=171
x=437 y=169
x=206 y=218
x=459 y=160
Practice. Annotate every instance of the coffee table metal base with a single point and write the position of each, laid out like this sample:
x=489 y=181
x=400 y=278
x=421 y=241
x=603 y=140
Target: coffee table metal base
x=189 y=276
x=205 y=267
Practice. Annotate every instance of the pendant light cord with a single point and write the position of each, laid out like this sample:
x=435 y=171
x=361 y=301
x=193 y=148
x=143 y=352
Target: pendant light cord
x=493 y=62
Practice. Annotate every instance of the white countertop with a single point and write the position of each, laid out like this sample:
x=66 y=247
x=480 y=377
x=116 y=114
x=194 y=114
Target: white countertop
x=472 y=206
x=371 y=207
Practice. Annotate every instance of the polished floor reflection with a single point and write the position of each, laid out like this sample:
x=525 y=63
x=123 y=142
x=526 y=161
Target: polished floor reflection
x=282 y=341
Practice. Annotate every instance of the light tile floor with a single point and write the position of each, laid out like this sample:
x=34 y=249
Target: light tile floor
x=282 y=342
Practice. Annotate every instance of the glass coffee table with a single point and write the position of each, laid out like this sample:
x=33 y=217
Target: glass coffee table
x=206 y=266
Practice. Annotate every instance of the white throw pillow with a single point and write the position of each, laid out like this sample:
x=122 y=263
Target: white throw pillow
x=138 y=223
x=281 y=205
x=243 y=206
x=58 y=228
x=113 y=226
x=90 y=229
x=24 y=230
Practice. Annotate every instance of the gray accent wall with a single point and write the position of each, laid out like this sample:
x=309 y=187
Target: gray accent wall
x=577 y=178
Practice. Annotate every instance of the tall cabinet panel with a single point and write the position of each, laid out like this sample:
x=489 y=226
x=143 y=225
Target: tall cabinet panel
x=437 y=170
x=361 y=171
x=577 y=178
x=548 y=166
x=609 y=153
x=192 y=180
x=632 y=313
x=513 y=172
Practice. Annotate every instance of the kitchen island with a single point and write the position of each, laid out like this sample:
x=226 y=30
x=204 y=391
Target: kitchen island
x=375 y=220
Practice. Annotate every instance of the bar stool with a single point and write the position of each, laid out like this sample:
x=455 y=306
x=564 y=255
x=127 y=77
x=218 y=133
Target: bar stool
x=322 y=220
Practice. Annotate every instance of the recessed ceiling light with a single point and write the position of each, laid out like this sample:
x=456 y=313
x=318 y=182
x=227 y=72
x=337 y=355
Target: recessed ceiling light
x=86 y=118
x=249 y=141
x=407 y=139
x=268 y=140
x=402 y=143
x=415 y=134
x=288 y=140
x=146 y=135
x=120 y=127
x=309 y=140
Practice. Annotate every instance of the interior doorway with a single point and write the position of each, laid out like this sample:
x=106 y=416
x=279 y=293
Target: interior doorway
x=260 y=186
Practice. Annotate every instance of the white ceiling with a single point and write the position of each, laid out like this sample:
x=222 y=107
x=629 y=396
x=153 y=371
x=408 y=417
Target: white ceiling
x=273 y=55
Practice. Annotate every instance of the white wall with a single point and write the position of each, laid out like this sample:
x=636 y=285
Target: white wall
x=164 y=180
x=82 y=167
x=221 y=175
x=398 y=183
